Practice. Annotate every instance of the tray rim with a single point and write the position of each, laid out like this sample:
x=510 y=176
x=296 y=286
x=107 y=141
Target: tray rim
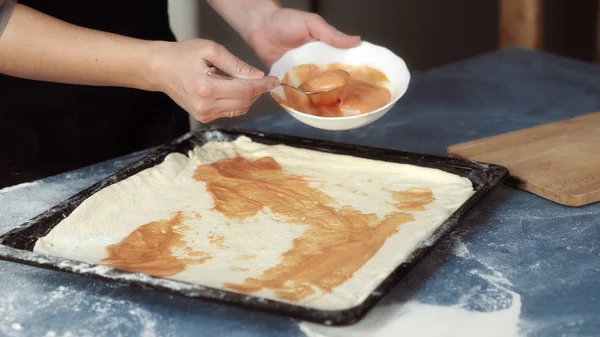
x=327 y=317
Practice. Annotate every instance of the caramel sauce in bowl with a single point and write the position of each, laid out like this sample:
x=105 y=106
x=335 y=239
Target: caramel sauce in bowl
x=377 y=80
x=332 y=82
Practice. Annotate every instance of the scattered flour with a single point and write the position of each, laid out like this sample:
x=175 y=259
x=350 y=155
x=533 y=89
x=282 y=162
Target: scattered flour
x=460 y=249
x=500 y=317
x=18 y=187
x=92 y=314
x=149 y=326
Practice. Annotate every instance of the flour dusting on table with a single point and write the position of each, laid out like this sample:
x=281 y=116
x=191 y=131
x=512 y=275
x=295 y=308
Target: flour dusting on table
x=37 y=309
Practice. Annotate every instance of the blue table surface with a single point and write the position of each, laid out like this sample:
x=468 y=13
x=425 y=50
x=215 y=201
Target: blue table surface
x=549 y=253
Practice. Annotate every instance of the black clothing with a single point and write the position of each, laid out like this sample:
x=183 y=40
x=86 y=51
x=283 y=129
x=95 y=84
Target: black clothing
x=48 y=128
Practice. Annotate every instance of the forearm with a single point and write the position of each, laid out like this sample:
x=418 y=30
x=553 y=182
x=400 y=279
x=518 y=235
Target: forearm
x=244 y=15
x=36 y=46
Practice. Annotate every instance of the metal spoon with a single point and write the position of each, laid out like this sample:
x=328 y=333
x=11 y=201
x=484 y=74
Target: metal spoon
x=221 y=75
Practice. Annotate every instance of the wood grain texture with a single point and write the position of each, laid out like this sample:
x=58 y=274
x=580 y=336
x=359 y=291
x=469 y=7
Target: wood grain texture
x=521 y=23
x=558 y=161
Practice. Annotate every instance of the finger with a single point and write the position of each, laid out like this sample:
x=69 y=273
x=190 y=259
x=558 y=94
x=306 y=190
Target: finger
x=242 y=89
x=320 y=30
x=233 y=113
x=229 y=63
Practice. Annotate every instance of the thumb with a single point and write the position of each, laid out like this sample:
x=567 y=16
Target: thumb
x=219 y=56
x=320 y=30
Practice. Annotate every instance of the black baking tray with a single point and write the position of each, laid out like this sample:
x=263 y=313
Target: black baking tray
x=485 y=178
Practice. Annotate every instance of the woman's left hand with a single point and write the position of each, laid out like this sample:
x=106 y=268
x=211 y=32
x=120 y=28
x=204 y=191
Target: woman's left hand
x=286 y=29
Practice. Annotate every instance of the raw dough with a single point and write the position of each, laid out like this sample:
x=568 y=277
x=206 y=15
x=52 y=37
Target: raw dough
x=212 y=229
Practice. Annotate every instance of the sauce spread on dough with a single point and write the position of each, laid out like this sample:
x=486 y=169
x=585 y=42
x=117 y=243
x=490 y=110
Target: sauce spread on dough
x=148 y=249
x=336 y=242
x=413 y=200
x=359 y=90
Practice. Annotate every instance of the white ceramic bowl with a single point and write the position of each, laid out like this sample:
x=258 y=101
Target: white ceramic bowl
x=365 y=54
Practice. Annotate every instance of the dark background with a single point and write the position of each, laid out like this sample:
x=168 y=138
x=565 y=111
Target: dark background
x=428 y=33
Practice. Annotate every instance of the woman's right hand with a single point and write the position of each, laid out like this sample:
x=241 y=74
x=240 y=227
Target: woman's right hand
x=179 y=69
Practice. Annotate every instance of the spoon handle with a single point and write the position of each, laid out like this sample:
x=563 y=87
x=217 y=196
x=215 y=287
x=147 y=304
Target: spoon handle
x=295 y=88
x=221 y=75
x=212 y=71
x=307 y=92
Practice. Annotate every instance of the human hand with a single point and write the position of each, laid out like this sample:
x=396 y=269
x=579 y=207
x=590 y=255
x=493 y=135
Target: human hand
x=179 y=69
x=282 y=29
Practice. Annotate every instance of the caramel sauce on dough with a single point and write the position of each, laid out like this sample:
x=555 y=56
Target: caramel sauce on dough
x=149 y=249
x=413 y=200
x=191 y=252
x=217 y=240
x=335 y=244
x=363 y=91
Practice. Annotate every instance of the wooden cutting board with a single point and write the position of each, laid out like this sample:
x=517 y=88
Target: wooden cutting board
x=558 y=161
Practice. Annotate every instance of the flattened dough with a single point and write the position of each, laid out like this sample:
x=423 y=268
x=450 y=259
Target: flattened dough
x=363 y=218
